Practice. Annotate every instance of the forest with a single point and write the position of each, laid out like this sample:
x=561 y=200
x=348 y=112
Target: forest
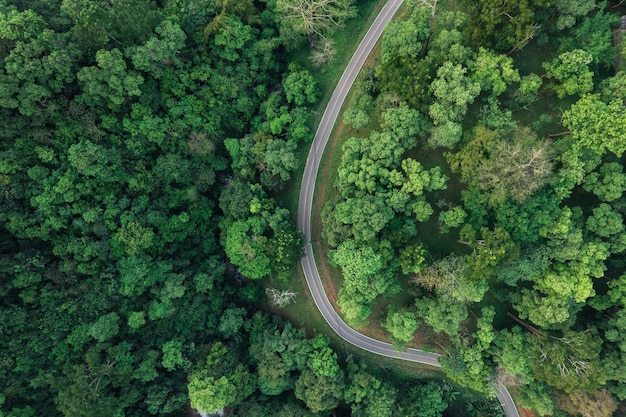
x=147 y=150
x=479 y=197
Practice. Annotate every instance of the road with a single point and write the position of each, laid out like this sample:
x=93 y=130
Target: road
x=306 y=203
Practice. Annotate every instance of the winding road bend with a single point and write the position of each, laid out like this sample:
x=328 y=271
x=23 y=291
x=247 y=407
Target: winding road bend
x=306 y=203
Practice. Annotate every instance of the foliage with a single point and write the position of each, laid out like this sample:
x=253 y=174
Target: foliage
x=401 y=325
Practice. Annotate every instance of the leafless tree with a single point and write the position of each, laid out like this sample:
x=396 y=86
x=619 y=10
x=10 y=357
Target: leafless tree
x=280 y=298
x=431 y=4
x=323 y=52
x=314 y=18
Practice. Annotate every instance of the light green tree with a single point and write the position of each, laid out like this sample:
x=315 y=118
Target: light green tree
x=401 y=325
x=571 y=71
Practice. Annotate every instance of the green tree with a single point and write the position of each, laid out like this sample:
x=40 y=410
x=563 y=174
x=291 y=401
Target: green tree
x=451 y=218
x=100 y=24
x=109 y=84
x=453 y=91
x=605 y=222
x=442 y=314
x=505 y=26
x=596 y=125
x=494 y=72
x=569 y=362
x=412 y=258
x=571 y=70
x=401 y=325
x=570 y=10
x=511 y=168
x=366 y=276
x=368 y=395
x=246 y=248
x=356 y=118
x=510 y=346
x=300 y=87
x=424 y=400
x=160 y=51
x=608 y=183
x=594 y=35
x=106 y=327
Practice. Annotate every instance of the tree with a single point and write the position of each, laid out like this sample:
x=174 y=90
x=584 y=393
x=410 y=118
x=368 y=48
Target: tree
x=585 y=404
x=442 y=314
x=366 y=276
x=594 y=35
x=36 y=68
x=451 y=218
x=571 y=69
x=356 y=118
x=232 y=321
x=405 y=39
x=406 y=123
x=222 y=381
x=608 y=183
x=528 y=89
x=445 y=135
x=605 y=222
x=399 y=73
x=322 y=52
x=570 y=362
x=279 y=158
x=510 y=346
x=173 y=355
x=510 y=168
x=570 y=10
x=313 y=18
x=424 y=400
x=505 y=26
x=537 y=396
x=321 y=383
x=449 y=278
x=209 y=395
x=97 y=25
x=453 y=92
x=159 y=52
x=105 y=327
x=494 y=72
x=245 y=246
x=412 y=258
x=368 y=395
x=280 y=298
x=401 y=325
x=367 y=216
x=108 y=84
x=300 y=87
x=596 y=125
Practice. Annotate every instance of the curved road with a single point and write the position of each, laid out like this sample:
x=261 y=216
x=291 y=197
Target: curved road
x=306 y=202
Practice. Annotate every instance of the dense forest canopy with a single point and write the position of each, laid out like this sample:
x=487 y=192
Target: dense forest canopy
x=145 y=146
x=484 y=173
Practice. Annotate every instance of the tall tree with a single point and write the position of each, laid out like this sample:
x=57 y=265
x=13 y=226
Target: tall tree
x=313 y=18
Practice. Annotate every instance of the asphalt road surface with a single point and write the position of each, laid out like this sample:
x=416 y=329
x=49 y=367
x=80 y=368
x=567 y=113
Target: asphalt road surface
x=306 y=202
